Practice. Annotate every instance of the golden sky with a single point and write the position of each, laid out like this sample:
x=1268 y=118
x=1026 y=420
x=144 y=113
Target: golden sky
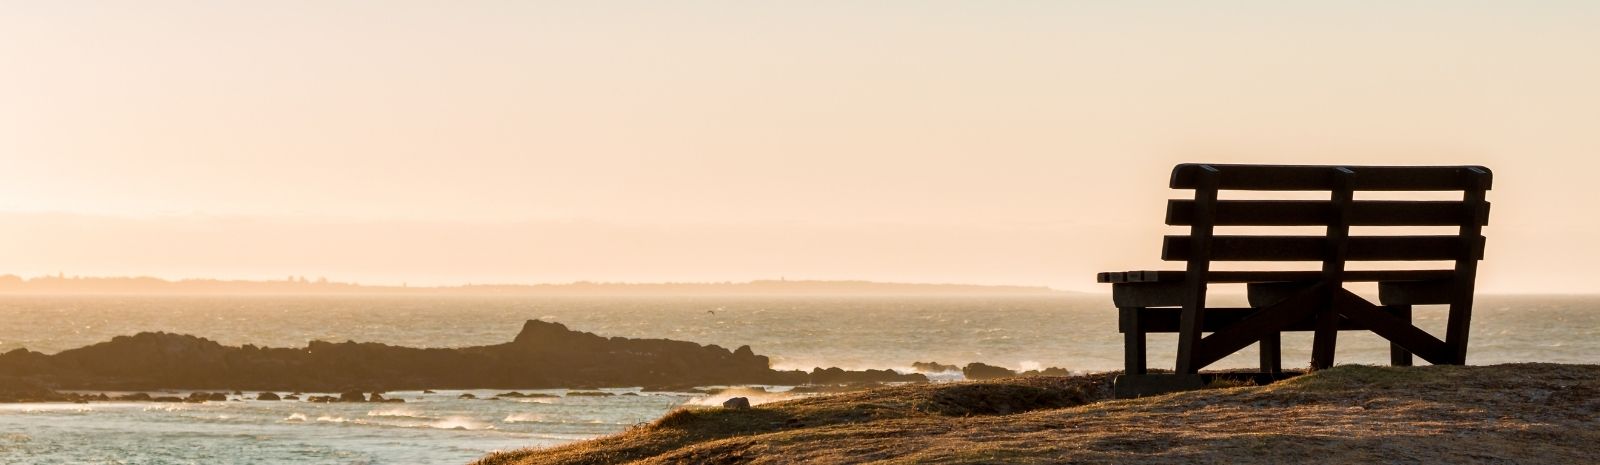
x=981 y=142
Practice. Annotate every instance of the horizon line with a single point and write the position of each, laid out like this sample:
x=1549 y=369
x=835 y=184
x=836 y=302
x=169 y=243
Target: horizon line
x=146 y=284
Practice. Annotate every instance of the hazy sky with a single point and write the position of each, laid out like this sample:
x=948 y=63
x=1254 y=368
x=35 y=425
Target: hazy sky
x=984 y=142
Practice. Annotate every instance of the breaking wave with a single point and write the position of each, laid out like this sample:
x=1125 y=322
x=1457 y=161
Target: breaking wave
x=756 y=396
x=397 y=412
x=524 y=418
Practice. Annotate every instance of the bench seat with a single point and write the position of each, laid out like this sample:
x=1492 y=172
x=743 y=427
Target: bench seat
x=1165 y=319
x=1169 y=292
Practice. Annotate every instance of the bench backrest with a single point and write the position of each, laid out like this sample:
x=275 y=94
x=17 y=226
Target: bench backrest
x=1336 y=246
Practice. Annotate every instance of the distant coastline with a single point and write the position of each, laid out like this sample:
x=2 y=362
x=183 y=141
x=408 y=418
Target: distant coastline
x=74 y=285
x=544 y=355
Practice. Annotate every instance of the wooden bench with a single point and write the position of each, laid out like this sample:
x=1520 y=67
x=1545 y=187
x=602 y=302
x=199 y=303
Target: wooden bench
x=1317 y=301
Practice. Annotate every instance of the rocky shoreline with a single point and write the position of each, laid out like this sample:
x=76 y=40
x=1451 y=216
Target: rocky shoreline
x=543 y=355
x=1518 y=413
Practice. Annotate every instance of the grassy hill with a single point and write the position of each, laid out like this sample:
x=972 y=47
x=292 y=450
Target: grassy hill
x=1520 y=413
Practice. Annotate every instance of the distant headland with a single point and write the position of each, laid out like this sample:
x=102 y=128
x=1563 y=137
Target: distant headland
x=62 y=284
x=543 y=355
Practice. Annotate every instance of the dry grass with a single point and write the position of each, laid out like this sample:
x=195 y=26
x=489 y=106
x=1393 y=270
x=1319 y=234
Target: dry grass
x=1523 y=413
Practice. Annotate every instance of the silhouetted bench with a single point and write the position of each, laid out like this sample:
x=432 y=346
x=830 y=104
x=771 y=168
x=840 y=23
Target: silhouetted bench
x=1175 y=301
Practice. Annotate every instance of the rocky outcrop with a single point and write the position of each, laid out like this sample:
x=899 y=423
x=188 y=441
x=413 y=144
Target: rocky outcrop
x=841 y=376
x=977 y=370
x=933 y=367
x=206 y=396
x=589 y=394
x=518 y=395
x=543 y=355
x=1052 y=371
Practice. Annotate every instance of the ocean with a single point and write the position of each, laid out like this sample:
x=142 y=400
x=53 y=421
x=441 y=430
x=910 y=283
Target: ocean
x=1073 y=331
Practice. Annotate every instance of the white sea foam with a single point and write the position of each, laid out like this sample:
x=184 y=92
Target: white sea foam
x=757 y=397
x=36 y=408
x=460 y=422
x=524 y=418
x=397 y=412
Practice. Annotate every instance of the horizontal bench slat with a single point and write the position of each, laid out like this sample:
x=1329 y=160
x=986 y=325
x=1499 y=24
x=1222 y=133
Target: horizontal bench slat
x=1435 y=292
x=1181 y=212
x=1315 y=248
x=1165 y=320
x=1301 y=177
x=1272 y=276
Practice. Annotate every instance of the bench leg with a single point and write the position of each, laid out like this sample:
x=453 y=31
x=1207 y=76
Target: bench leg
x=1323 y=342
x=1133 y=342
x=1271 y=353
x=1399 y=356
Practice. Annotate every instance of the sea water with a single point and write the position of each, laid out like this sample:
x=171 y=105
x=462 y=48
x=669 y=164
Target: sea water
x=1072 y=331
x=428 y=428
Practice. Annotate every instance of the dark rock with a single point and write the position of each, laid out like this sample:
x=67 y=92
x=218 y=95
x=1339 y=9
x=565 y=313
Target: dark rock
x=428 y=391
x=205 y=396
x=1052 y=371
x=22 y=390
x=166 y=399
x=376 y=397
x=291 y=397
x=352 y=396
x=841 y=376
x=137 y=396
x=518 y=395
x=467 y=396
x=933 y=367
x=322 y=399
x=589 y=394
x=543 y=355
x=833 y=388
x=268 y=396
x=736 y=403
x=977 y=370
